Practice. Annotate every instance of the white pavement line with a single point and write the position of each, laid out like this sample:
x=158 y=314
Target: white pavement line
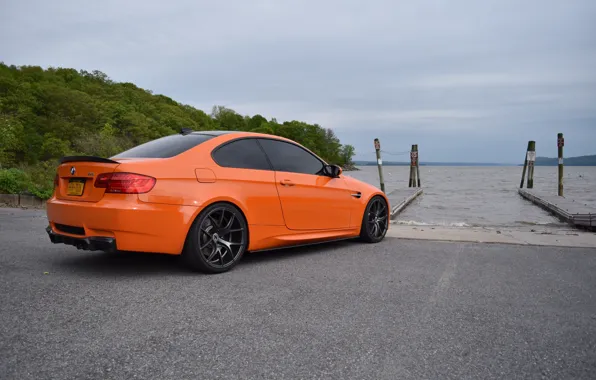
x=445 y=278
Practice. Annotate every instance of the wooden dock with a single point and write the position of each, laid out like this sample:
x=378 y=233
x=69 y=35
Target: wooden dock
x=399 y=199
x=573 y=212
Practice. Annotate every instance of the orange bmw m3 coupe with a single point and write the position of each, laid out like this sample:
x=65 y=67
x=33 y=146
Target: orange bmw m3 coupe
x=211 y=196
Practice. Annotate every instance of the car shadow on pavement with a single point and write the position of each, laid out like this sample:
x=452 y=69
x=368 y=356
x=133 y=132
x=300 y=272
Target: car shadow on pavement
x=124 y=263
x=139 y=263
x=255 y=258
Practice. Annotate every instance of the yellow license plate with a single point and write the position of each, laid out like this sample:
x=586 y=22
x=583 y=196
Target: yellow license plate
x=75 y=187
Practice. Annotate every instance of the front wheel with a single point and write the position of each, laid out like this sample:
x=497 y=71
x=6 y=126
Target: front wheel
x=217 y=239
x=375 y=220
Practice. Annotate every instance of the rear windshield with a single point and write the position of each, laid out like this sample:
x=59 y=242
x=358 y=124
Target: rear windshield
x=168 y=146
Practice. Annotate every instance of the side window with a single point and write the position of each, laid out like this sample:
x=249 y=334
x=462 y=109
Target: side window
x=286 y=157
x=243 y=154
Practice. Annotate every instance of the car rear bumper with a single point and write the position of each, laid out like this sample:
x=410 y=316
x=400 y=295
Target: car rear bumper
x=120 y=222
x=92 y=243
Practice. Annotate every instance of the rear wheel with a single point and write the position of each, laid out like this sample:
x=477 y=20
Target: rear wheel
x=375 y=220
x=217 y=239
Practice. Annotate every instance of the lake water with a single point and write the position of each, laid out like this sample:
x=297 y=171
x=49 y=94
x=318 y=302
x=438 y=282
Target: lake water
x=481 y=196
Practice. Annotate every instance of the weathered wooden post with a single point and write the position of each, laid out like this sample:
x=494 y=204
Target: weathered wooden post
x=411 y=177
x=380 y=163
x=521 y=185
x=413 y=165
x=531 y=160
x=417 y=165
x=560 y=144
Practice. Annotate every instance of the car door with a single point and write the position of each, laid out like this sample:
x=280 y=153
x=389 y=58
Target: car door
x=309 y=199
x=245 y=173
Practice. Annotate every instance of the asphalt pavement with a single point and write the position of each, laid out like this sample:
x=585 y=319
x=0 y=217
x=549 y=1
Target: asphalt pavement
x=400 y=309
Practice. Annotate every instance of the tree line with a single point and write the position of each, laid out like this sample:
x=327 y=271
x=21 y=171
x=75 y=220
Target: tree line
x=49 y=113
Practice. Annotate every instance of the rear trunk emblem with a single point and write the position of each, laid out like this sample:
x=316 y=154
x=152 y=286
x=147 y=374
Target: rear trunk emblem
x=72 y=170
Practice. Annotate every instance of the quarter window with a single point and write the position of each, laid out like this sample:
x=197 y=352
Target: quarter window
x=243 y=154
x=287 y=157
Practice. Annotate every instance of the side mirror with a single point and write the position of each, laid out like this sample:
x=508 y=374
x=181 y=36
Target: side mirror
x=333 y=171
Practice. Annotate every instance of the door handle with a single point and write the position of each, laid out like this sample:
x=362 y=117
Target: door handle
x=287 y=182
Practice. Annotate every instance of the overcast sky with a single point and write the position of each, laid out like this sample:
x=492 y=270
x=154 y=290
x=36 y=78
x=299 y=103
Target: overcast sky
x=466 y=80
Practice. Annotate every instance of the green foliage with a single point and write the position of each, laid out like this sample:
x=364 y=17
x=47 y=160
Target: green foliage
x=41 y=178
x=13 y=181
x=11 y=141
x=46 y=114
x=105 y=143
x=37 y=180
x=346 y=154
x=53 y=147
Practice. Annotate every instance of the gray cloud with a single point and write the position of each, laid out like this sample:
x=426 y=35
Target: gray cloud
x=466 y=80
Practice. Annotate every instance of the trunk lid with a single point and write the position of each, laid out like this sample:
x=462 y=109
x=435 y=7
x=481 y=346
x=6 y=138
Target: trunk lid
x=77 y=175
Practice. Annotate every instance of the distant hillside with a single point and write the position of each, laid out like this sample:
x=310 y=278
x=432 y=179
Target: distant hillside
x=540 y=161
x=393 y=163
x=47 y=114
x=571 y=161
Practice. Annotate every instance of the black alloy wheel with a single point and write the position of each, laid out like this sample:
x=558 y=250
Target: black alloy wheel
x=375 y=221
x=217 y=240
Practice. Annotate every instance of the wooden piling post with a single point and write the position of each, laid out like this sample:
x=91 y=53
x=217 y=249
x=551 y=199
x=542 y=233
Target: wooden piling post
x=531 y=156
x=413 y=165
x=417 y=165
x=411 y=178
x=380 y=163
x=521 y=185
x=560 y=144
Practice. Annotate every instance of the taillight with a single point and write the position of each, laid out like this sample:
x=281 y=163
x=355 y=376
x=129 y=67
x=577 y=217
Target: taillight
x=56 y=180
x=125 y=183
x=102 y=180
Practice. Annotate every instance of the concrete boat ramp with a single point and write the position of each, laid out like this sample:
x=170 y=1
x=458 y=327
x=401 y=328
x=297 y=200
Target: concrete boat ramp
x=580 y=217
x=399 y=199
x=535 y=236
x=577 y=214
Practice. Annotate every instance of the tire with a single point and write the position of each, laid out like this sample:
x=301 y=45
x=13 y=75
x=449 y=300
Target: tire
x=217 y=239
x=375 y=221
